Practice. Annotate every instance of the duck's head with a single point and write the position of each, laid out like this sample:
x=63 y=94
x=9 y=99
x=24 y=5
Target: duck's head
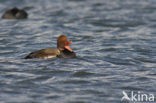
x=63 y=43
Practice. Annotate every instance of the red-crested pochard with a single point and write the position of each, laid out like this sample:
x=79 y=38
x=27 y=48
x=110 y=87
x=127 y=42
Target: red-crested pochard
x=62 y=51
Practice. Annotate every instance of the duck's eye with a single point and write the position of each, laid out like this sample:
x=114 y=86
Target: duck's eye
x=68 y=43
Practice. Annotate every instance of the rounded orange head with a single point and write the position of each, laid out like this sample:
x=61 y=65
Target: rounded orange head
x=63 y=43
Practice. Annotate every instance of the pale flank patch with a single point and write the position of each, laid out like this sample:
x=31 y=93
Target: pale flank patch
x=50 y=56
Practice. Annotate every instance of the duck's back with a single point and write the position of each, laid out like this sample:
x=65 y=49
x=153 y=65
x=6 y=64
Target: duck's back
x=44 y=53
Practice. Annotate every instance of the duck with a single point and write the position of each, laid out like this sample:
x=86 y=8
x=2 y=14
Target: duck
x=15 y=13
x=62 y=51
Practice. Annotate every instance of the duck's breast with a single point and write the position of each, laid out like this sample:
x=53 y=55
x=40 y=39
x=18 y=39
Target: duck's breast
x=67 y=54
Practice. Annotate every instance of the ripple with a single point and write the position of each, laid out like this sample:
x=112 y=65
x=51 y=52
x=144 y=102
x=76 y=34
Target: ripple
x=82 y=74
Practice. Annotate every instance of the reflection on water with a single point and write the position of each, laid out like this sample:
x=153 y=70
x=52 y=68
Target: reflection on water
x=114 y=40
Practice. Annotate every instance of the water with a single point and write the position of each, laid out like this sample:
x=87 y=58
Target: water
x=114 y=40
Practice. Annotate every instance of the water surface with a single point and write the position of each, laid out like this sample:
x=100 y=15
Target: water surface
x=114 y=40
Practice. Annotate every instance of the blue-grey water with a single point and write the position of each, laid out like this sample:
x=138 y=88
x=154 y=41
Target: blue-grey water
x=115 y=43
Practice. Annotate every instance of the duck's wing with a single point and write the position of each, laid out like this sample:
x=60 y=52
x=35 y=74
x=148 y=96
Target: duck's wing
x=44 y=53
